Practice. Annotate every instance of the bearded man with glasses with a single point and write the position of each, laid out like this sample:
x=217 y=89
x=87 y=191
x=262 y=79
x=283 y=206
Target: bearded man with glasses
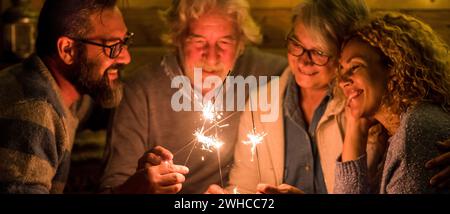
x=81 y=47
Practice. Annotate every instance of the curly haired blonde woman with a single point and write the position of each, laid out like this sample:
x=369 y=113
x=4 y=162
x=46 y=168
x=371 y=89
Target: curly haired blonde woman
x=394 y=71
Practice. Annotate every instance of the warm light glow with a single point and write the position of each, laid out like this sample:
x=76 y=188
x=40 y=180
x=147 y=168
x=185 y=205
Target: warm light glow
x=254 y=139
x=208 y=142
x=235 y=191
x=209 y=112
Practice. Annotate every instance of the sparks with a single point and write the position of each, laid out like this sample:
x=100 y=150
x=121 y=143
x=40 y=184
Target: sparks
x=209 y=112
x=254 y=139
x=208 y=142
x=235 y=191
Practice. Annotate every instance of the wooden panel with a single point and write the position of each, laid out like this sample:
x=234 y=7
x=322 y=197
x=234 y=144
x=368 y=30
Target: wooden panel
x=438 y=20
x=273 y=16
x=409 y=4
x=285 y=4
x=37 y=4
x=146 y=24
x=258 y=4
x=274 y=23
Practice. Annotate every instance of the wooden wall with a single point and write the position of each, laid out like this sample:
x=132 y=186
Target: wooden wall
x=273 y=16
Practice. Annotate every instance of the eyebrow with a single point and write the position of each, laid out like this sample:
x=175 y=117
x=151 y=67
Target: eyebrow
x=356 y=56
x=195 y=36
x=110 y=39
x=294 y=37
x=200 y=36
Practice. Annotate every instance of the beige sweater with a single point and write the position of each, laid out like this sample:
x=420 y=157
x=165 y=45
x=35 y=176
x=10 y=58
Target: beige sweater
x=268 y=166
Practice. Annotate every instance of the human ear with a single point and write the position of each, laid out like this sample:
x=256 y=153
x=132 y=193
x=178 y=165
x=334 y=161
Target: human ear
x=66 y=49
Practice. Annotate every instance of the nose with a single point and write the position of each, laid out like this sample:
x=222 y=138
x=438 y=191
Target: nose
x=124 y=57
x=211 y=55
x=344 y=81
x=305 y=59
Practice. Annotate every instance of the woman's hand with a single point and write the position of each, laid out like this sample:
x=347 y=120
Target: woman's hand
x=356 y=135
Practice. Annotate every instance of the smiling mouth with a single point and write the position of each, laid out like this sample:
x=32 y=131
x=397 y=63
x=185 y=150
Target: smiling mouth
x=354 y=94
x=113 y=74
x=308 y=73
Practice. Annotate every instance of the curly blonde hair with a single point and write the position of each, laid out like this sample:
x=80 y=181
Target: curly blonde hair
x=178 y=16
x=417 y=59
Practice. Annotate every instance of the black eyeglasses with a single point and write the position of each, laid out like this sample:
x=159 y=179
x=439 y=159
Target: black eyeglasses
x=319 y=58
x=114 y=49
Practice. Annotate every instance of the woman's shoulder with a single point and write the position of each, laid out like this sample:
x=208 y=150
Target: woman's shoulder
x=422 y=126
x=414 y=144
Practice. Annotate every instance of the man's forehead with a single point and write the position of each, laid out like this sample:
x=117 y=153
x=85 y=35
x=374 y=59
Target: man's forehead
x=222 y=28
x=213 y=19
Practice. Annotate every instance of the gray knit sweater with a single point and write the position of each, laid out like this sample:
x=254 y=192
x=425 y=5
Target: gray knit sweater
x=409 y=149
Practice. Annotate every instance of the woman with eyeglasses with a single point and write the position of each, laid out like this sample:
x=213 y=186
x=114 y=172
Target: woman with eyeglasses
x=396 y=71
x=299 y=152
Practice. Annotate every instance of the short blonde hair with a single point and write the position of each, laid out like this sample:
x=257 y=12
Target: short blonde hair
x=182 y=12
x=417 y=59
x=330 y=21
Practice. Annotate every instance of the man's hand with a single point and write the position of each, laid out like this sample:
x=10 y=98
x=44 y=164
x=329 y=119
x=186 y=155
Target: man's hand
x=156 y=174
x=442 y=179
x=282 y=189
x=155 y=157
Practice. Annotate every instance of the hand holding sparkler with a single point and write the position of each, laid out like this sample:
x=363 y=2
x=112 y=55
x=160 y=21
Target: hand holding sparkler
x=155 y=157
x=156 y=174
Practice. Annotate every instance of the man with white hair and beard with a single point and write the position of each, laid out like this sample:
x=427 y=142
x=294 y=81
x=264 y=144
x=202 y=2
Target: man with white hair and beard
x=148 y=142
x=80 y=49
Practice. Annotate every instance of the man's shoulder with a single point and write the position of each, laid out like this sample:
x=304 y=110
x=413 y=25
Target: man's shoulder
x=8 y=76
x=24 y=85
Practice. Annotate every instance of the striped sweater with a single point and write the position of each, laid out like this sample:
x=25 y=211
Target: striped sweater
x=36 y=130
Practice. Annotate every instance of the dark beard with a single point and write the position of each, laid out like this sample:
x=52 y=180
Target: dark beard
x=87 y=81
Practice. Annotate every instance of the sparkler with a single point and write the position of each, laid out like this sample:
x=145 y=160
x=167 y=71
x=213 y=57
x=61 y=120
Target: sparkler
x=254 y=138
x=209 y=143
x=209 y=113
x=193 y=140
x=235 y=191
